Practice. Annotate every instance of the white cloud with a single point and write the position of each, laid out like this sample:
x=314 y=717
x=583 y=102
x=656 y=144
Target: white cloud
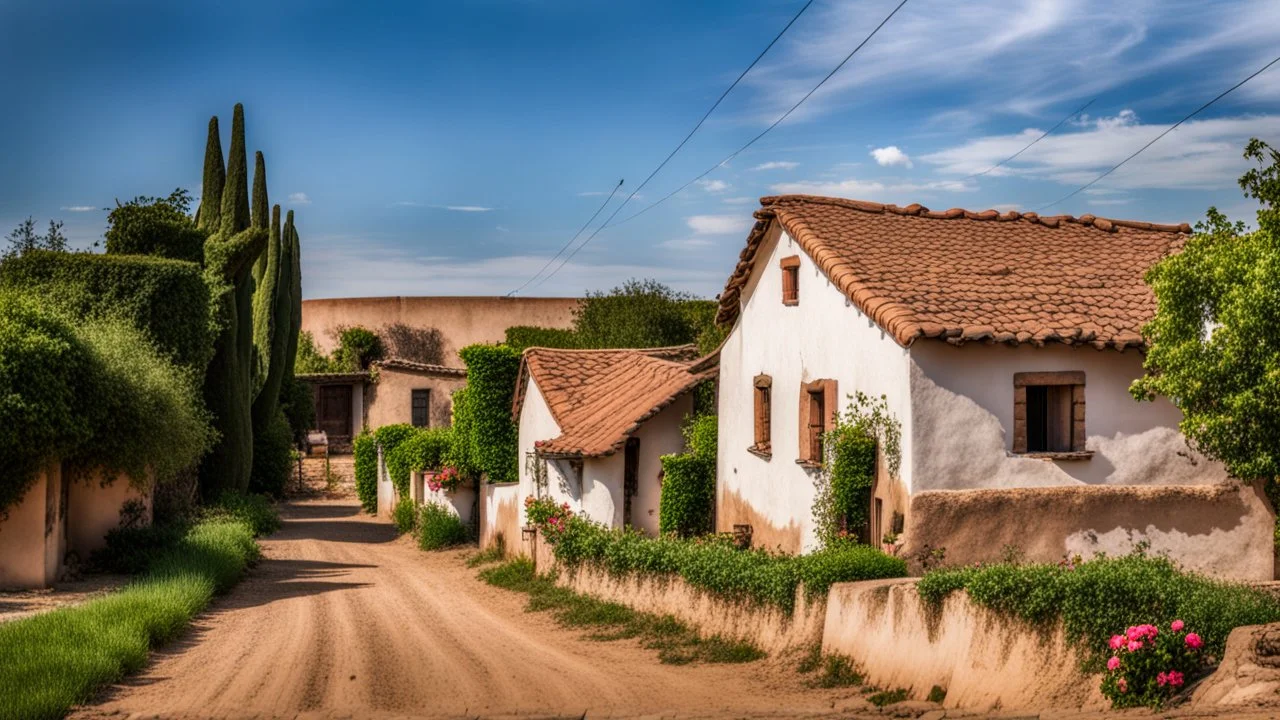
x=502 y=229
x=895 y=192
x=468 y=208
x=78 y=208
x=777 y=165
x=299 y=198
x=738 y=200
x=891 y=156
x=720 y=224
x=713 y=186
x=691 y=243
x=1201 y=154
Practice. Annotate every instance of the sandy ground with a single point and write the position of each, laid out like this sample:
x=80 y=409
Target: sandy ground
x=22 y=603
x=342 y=619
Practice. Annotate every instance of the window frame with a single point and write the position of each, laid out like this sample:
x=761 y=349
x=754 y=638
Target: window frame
x=762 y=411
x=426 y=408
x=810 y=434
x=790 y=280
x=1075 y=379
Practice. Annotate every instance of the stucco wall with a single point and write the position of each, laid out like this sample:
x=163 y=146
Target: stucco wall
x=598 y=493
x=824 y=337
x=460 y=320
x=462 y=502
x=390 y=399
x=1224 y=530
x=93 y=509
x=501 y=515
x=962 y=404
x=386 y=491
x=981 y=659
x=33 y=538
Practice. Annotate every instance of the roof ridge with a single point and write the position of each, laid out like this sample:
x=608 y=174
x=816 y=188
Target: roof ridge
x=772 y=202
x=642 y=351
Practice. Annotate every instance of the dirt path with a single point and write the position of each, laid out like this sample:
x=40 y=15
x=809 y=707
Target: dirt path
x=342 y=619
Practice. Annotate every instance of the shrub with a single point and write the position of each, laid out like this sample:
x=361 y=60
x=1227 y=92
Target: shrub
x=405 y=515
x=309 y=360
x=550 y=518
x=1100 y=598
x=864 y=430
x=365 y=450
x=389 y=438
x=45 y=369
x=256 y=512
x=156 y=226
x=357 y=348
x=272 y=457
x=166 y=299
x=460 y=452
x=439 y=528
x=640 y=313
x=1149 y=664
x=519 y=337
x=421 y=449
x=687 y=503
x=713 y=564
x=490 y=430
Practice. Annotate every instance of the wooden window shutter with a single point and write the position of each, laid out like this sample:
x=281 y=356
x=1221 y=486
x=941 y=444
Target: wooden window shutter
x=763 y=385
x=1020 y=419
x=790 y=280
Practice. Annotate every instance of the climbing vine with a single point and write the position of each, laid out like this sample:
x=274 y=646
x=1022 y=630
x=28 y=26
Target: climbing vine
x=864 y=430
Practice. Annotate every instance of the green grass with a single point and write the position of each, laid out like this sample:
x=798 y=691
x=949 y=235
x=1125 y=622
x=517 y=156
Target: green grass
x=836 y=670
x=887 y=697
x=56 y=660
x=676 y=643
x=489 y=556
x=937 y=694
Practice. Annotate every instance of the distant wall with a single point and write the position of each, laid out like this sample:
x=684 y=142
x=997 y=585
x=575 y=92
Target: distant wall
x=461 y=321
x=500 y=521
x=1223 y=530
x=94 y=510
x=390 y=400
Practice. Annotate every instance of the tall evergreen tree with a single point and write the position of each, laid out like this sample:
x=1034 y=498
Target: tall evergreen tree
x=259 y=210
x=295 y=297
x=215 y=176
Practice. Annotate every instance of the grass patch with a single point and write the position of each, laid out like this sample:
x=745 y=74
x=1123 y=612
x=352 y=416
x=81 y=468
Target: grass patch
x=405 y=515
x=676 y=643
x=836 y=670
x=1102 y=597
x=58 y=659
x=937 y=694
x=887 y=697
x=439 y=528
x=488 y=556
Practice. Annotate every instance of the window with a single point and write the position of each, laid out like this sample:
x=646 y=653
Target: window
x=791 y=280
x=817 y=417
x=763 y=410
x=1048 y=413
x=421 y=408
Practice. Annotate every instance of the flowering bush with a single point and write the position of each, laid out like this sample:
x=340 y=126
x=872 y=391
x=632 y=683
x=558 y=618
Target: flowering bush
x=447 y=479
x=551 y=519
x=1148 y=665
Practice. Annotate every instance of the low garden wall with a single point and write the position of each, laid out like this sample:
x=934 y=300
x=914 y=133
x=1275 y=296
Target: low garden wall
x=94 y=508
x=386 y=491
x=33 y=537
x=1223 y=530
x=499 y=506
x=766 y=627
x=982 y=660
x=461 y=501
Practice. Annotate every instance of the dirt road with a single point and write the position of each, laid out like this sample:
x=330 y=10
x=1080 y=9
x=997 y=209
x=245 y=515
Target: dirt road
x=342 y=619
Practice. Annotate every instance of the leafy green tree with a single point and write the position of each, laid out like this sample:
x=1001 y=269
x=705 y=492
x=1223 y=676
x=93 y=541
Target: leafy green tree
x=640 y=313
x=1214 y=344
x=24 y=238
x=156 y=226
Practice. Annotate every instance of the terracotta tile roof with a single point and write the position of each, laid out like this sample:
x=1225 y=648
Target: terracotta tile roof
x=600 y=397
x=425 y=368
x=961 y=276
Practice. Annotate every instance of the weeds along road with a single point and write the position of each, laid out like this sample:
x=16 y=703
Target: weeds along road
x=343 y=619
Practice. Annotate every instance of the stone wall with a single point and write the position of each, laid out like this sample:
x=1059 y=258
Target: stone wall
x=1224 y=530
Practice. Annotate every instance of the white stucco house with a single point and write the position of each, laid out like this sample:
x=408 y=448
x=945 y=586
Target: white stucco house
x=594 y=423
x=1004 y=344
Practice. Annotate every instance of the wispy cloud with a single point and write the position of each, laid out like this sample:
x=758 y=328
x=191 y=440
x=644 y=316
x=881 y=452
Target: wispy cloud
x=689 y=243
x=719 y=224
x=406 y=203
x=299 y=198
x=78 y=208
x=891 y=156
x=468 y=208
x=502 y=229
x=743 y=200
x=777 y=165
x=896 y=192
x=713 y=186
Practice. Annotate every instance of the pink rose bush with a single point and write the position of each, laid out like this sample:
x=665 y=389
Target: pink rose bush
x=1149 y=665
x=547 y=516
x=448 y=479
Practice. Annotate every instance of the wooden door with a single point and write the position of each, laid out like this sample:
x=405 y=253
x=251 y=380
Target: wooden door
x=630 y=478
x=333 y=411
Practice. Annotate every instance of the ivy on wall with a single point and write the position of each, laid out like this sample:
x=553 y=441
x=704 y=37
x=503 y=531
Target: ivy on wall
x=389 y=438
x=842 y=504
x=483 y=425
x=414 y=450
x=365 y=448
x=687 y=504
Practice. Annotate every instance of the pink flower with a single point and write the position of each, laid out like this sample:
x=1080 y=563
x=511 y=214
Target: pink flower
x=1123 y=685
x=1135 y=645
x=1175 y=678
x=1117 y=642
x=1176 y=626
x=1113 y=663
x=1161 y=679
x=1132 y=632
x=1193 y=641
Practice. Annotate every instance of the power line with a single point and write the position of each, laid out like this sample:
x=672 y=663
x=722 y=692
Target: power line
x=737 y=152
x=672 y=154
x=575 y=237
x=1033 y=142
x=1171 y=128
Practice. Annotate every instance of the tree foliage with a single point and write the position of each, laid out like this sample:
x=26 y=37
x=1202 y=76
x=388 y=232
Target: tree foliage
x=160 y=227
x=687 y=505
x=24 y=238
x=1214 y=340
x=483 y=420
x=640 y=313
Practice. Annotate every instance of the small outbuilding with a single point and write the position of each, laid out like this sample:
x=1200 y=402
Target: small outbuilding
x=594 y=424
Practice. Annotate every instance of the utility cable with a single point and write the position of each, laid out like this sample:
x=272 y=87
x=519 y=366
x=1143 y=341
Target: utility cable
x=575 y=237
x=1033 y=142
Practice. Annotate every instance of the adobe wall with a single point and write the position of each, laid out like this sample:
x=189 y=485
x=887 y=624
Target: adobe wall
x=461 y=321
x=33 y=538
x=94 y=509
x=1224 y=530
x=501 y=508
x=461 y=502
x=983 y=660
x=390 y=399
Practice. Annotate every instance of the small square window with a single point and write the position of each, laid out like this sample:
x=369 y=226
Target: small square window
x=1049 y=413
x=421 y=408
x=791 y=280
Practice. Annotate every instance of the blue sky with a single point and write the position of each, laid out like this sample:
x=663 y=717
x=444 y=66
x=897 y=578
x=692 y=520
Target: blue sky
x=452 y=148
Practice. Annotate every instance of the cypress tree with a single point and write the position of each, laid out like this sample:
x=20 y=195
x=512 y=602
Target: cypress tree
x=215 y=176
x=295 y=297
x=277 y=289
x=266 y=295
x=259 y=210
x=235 y=192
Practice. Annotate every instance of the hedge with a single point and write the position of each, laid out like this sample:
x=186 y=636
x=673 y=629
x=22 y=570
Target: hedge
x=687 y=503
x=166 y=299
x=365 y=449
x=519 y=337
x=488 y=428
x=407 y=449
x=158 y=227
x=389 y=438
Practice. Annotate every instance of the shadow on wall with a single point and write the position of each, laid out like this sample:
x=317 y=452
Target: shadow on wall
x=732 y=509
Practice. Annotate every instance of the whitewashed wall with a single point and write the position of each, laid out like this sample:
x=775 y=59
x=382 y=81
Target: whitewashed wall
x=824 y=336
x=658 y=436
x=962 y=402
